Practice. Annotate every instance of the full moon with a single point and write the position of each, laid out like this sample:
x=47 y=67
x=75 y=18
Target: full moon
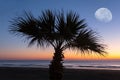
x=103 y=14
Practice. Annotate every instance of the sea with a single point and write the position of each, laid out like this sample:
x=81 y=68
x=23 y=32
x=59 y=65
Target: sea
x=69 y=64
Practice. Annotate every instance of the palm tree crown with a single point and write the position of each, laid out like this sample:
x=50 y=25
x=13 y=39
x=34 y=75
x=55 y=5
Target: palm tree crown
x=58 y=30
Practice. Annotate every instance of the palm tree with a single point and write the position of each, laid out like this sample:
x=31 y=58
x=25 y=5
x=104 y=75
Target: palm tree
x=61 y=31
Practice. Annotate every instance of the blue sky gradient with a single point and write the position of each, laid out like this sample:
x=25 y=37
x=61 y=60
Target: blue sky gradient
x=109 y=32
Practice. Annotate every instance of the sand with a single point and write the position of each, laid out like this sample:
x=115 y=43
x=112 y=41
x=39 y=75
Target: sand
x=7 y=73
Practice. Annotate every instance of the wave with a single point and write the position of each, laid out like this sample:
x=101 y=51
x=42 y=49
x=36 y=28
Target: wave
x=110 y=67
x=68 y=64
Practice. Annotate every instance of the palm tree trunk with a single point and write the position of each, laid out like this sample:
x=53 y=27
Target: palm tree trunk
x=56 y=66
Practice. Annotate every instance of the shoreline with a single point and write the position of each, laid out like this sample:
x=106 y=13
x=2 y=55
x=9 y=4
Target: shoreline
x=27 y=73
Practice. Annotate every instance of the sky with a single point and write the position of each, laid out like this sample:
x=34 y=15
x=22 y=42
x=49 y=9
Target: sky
x=14 y=47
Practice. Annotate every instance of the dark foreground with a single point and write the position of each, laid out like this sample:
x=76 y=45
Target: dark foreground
x=69 y=74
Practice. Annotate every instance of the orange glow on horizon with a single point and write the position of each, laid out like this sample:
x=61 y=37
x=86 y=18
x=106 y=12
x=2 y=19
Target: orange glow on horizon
x=38 y=54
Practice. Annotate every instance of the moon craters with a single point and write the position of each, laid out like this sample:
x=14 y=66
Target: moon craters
x=103 y=14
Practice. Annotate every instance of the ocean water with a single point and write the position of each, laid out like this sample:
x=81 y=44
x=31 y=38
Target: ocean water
x=79 y=64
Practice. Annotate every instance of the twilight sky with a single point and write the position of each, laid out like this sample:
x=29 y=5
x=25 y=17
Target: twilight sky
x=13 y=47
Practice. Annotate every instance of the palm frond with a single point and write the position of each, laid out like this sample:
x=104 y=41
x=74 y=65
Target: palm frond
x=47 y=21
x=27 y=26
x=69 y=25
x=87 y=41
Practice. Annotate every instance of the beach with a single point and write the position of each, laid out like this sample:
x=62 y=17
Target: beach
x=27 y=73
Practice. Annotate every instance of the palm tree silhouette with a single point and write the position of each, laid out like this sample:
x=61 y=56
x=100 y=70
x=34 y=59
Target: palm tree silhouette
x=60 y=30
